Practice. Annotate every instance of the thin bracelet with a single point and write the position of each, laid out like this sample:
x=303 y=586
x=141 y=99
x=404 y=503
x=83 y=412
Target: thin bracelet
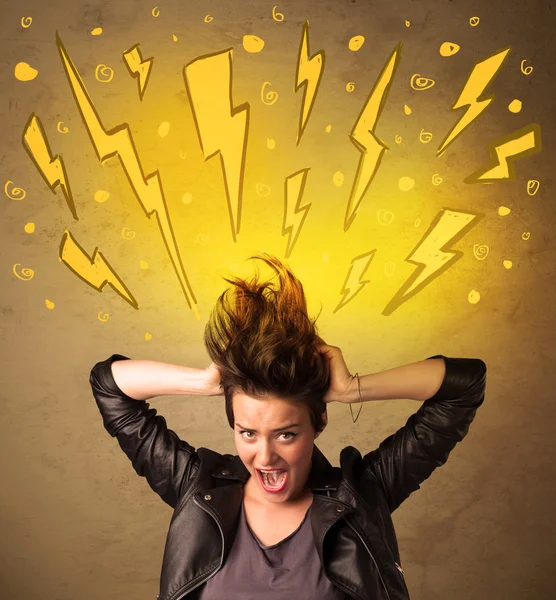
x=360 y=399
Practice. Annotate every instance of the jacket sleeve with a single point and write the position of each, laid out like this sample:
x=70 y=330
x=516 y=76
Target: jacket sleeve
x=408 y=457
x=155 y=451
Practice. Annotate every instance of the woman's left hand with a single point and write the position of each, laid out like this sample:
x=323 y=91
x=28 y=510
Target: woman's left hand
x=340 y=377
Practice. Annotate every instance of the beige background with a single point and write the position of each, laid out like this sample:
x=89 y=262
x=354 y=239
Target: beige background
x=77 y=522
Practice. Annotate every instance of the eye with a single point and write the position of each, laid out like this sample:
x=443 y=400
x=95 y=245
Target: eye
x=290 y=433
x=244 y=431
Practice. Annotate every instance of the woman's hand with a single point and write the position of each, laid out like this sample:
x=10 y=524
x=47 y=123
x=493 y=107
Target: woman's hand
x=212 y=380
x=340 y=377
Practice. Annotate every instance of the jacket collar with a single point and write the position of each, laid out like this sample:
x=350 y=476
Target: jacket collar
x=322 y=477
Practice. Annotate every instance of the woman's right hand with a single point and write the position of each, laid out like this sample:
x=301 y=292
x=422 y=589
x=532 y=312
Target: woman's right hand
x=212 y=380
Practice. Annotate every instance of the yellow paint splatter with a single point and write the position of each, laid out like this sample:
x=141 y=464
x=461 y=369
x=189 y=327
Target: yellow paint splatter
x=174 y=37
x=356 y=42
x=406 y=109
x=252 y=43
x=25 y=72
x=328 y=128
x=504 y=211
x=29 y=228
x=97 y=31
x=187 y=198
x=507 y=264
x=270 y=143
x=407 y=23
x=449 y=49
x=101 y=196
x=338 y=178
x=148 y=336
x=515 y=106
x=50 y=305
x=164 y=129
x=473 y=297
x=406 y=183
x=144 y=265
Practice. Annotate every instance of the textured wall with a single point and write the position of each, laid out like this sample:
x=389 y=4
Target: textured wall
x=76 y=519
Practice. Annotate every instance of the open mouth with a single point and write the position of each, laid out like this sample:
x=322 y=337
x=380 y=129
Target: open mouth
x=273 y=481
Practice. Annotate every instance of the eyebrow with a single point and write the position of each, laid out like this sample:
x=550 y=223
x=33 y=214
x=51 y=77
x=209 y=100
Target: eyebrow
x=274 y=430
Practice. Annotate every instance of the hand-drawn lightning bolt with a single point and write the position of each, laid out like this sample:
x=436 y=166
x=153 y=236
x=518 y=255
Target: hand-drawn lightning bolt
x=504 y=151
x=118 y=142
x=94 y=271
x=309 y=73
x=480 y=77
x=432 y=255
x=357 y=269
x=51 y=168
x=294 y=213
x=138 y=68
x=220 y=127
x=364 y=138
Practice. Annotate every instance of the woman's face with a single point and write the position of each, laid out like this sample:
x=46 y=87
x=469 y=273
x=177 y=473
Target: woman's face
x=274 y=434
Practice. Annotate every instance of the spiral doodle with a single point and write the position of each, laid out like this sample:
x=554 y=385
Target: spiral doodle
x=262 y=190
x=202 y=238
x=103 y=317
x=474 y=21
x=106 y=72
x=127 y=233
x=16 y=193
x=527 y=70
x=436 y=179
x=350 y=86
x=278 y=17
x=480 y=251
x=26 y=272
x=269 y=98
x=155 y=12
x=526 y=235
x=384 y=217
x=389 y=268
x=208 y=18
x=421 y=83
x=398 y=139
x=533 y=186
x=417 y=222
x=61 y=127
x=425 y=136
x=26 y=22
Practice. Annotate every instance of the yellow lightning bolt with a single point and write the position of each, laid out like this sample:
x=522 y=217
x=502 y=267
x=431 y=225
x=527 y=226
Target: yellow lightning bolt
x=294 y=213
x=138 y=68
x=357 y=269
x=118 y=142
x=432 y=255
x=480 y=77
x=94 y=271
x=220 y=128
x=364 y=138
x=309 y=73
x=51 y=168
x=504 y=151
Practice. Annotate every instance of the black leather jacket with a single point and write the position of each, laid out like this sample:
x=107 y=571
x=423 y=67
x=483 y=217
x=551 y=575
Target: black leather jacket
x=351 y=514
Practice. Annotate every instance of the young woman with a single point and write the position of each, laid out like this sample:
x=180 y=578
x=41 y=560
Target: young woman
x=277 y=520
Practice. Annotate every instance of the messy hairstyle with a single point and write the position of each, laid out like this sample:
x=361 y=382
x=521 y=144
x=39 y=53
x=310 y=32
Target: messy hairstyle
x=262 y=341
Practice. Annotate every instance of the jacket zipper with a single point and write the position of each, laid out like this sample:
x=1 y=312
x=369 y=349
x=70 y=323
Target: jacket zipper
x=213 y=572
x=373 y=558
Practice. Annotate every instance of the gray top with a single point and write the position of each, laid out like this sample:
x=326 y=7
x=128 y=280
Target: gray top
x=289 y=569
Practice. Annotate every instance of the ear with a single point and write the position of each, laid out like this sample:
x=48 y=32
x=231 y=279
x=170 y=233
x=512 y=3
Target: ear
x=324 y=423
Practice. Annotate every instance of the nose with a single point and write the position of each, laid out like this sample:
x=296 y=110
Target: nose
x=266 y=454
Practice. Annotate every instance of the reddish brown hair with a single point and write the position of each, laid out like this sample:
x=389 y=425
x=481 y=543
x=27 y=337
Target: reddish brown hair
x=262 y=341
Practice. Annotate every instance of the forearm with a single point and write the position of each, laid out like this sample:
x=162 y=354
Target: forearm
x=415 y=381
x=144 y=379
